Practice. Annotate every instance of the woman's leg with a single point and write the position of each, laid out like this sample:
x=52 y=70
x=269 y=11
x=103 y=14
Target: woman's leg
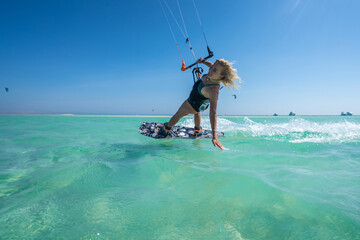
x=197 y=119
x=197 y=129
x=184 y=110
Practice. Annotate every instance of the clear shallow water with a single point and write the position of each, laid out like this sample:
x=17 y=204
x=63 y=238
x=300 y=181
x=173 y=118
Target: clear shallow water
x=95 y=177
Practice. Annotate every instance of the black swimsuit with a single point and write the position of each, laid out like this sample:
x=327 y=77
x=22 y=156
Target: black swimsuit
x=198 y=101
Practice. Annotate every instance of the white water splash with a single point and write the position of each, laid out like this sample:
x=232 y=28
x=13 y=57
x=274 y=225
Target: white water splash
x=294 y=130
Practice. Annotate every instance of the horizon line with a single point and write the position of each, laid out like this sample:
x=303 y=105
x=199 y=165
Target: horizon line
x=164 y=115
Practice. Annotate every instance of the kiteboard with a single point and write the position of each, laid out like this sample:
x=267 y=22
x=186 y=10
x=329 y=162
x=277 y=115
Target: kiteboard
x=151 y=129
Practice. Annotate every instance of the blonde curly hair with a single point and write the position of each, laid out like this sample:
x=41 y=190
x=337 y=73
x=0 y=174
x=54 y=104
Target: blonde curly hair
x=230 y=74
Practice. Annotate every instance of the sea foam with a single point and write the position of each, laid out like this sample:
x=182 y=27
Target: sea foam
x=298 y=130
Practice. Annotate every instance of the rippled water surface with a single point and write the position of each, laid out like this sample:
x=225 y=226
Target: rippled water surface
x=95 y=177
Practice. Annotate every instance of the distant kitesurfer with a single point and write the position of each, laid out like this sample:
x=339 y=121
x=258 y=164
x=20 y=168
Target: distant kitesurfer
x=205 y=92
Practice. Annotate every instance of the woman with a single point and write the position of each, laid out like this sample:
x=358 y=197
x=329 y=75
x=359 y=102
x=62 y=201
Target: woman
x=205 y=91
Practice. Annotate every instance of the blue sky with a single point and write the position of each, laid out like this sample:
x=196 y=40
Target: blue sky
x=118 y=57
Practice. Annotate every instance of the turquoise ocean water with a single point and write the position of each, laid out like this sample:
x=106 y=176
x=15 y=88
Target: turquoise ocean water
x=95 y=177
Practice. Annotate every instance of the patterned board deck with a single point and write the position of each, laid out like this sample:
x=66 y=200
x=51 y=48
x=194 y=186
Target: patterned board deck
x=151 y=129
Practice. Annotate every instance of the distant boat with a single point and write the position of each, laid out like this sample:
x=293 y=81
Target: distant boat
x=292 y=114
x=346 y=114
x=275 y=114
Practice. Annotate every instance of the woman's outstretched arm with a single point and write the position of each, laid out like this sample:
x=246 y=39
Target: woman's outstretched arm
x=213 y=117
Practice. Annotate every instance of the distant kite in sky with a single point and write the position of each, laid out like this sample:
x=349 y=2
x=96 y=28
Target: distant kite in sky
x=234 y=96
x=6 y=89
